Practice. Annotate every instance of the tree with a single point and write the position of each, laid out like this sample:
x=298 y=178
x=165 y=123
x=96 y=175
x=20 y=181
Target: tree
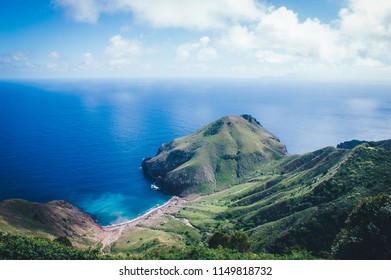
x=238 y=241
x=367 y=234
x=218 y=239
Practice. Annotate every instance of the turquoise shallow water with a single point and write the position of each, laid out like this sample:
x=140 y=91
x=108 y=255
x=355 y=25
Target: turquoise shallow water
x=83 y=141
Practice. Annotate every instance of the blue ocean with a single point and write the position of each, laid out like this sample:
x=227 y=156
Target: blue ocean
x=83 y=141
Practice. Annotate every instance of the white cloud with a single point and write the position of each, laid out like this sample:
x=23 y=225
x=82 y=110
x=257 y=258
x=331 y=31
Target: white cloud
x=239 y=38
x=122 y=52
x=198 y=14
x=281 y=31
x=280 y=37
x=361 y=37
x=201 y=50
x=368 y=18
x=366 y=28
x=247 y=35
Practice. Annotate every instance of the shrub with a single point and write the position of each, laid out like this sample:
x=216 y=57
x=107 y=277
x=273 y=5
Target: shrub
x=367 y=234
x=238 y=241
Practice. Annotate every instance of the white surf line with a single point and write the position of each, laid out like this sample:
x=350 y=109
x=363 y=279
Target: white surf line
x=143 y=215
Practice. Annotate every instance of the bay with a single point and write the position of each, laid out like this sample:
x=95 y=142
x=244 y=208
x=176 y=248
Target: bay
x=83 y=140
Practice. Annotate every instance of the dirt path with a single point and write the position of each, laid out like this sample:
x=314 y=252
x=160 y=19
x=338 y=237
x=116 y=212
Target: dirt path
x=109 y=236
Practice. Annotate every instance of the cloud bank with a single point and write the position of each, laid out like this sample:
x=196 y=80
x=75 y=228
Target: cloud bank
x=359 y=37
x=197 y=14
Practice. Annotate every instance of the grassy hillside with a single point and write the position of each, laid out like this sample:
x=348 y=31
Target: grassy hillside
x=217 y=156
x=294 y=204
x=302 y=203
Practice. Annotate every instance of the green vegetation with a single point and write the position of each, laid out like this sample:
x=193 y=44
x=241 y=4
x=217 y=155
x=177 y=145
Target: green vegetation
x=298 y=202
x=220 y=253
x=350 y=144
x=223 y=153
x=213 y=128
x=34 y=248
x=252 y=202
x=367 y=234
x=63 y=241
x=294 y=204
x=238 y=241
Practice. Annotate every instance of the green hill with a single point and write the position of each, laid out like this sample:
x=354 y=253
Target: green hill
x=243 y=197
x=221 y=154
x=301 y=202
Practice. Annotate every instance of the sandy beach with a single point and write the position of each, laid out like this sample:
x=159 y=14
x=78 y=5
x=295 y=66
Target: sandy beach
x=162 y=208
x=112 y=233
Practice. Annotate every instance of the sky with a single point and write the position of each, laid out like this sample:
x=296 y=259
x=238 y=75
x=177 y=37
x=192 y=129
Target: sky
x=298 y=39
